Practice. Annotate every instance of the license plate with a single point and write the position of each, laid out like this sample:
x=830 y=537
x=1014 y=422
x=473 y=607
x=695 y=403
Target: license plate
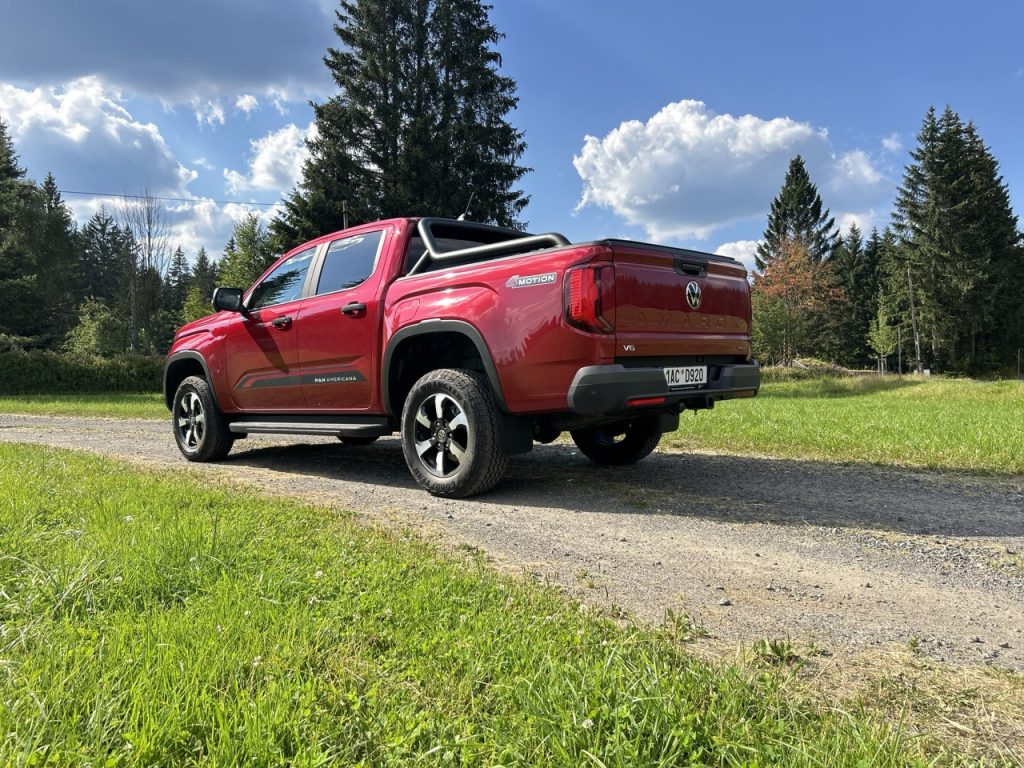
x=687 y=376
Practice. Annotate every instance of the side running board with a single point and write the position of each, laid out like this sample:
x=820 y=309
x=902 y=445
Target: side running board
x=374 y=428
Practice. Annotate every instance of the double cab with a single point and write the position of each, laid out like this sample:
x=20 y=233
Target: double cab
x=471 y=341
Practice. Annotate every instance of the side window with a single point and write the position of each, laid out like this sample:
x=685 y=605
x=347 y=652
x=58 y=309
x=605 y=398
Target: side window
x=349 y=262
x=284 y=283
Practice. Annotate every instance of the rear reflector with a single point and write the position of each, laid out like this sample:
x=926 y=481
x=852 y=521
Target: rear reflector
x=645 y=401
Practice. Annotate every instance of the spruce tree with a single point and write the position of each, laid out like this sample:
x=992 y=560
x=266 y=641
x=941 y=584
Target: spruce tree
x=959 y=239
x=418 y=125
x=21 y=211
x=177 y=282
x=100 y=259
x=58 y=261
x=798 y=215
x=847 y=334
x=248 y=253
x=204 y=274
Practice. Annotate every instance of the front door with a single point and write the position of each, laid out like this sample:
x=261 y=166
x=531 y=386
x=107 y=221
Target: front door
x=262 y=344
x=340 y=322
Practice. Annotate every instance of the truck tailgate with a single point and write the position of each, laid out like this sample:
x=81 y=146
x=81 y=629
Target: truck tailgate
x=671 y=303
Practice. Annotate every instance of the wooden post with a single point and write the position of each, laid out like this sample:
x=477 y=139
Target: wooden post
x=913 y=320
x=344 y=214
x=899 y=350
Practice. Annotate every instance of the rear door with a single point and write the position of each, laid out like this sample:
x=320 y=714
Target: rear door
x=341 y=323
x=671 y=302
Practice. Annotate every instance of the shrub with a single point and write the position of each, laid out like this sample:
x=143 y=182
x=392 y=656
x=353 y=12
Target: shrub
x=41 y=372
x=98 y=332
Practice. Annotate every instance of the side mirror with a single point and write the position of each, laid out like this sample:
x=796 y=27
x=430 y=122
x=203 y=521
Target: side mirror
x=228 y=299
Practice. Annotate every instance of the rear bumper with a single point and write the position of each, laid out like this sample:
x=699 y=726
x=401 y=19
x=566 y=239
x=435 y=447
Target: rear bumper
x=607 y=388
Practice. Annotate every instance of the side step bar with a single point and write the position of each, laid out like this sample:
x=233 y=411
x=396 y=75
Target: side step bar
x=374 y=428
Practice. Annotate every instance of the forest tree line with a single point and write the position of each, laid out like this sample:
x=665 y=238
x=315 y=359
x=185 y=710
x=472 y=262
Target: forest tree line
x=946 y=276
x=418 y=127
x=115 y=285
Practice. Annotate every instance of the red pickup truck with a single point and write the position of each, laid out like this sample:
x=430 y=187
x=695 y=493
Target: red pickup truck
x=471 y=341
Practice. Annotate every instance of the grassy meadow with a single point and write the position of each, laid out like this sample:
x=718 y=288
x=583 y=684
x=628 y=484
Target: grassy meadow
x=958 y=424
x=938 y=423
x=152 y=619
x=116 y=406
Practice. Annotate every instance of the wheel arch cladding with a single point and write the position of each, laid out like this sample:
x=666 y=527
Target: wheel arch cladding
x=179 y=367
x=418 y=349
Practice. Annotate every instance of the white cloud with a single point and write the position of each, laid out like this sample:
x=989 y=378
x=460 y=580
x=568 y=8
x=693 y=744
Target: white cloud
x=892 y=143
x=688 y=171
x=209 y=111
x=865 y=221
x=247 y=103
x=197 y=223
x=83 y=132
x=741 y=250
x=86 y=135
x=276 y=161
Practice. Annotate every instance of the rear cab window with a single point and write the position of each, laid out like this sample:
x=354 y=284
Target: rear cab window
x=349 y=262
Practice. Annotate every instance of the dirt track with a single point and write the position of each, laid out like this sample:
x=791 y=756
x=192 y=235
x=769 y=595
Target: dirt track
x=839 y=557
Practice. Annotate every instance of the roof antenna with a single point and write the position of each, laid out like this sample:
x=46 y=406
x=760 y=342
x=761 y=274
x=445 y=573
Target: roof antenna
x=466 y=213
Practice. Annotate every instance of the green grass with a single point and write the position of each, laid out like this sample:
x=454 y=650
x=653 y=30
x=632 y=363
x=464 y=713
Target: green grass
x=938 y=423
x=153 y=620
x=118 y=406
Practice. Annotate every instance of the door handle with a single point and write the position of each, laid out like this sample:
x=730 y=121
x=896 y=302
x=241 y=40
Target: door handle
x=281 y=322
x=353 y=308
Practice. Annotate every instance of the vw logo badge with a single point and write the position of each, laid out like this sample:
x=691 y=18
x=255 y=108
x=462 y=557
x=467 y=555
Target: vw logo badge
x=693 y=294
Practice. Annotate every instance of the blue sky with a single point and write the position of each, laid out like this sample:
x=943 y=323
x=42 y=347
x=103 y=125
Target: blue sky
x=655 y=119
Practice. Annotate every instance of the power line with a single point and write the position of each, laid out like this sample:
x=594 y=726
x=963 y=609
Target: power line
x=168 y=199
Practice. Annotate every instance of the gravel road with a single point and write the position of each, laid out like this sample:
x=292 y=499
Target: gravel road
x=838 y=557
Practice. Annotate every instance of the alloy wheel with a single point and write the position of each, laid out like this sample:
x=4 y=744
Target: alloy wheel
x=442 y=434
x=191 y=421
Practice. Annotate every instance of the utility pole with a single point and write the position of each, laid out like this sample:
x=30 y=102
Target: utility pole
x=344 y=214
x=913 y=320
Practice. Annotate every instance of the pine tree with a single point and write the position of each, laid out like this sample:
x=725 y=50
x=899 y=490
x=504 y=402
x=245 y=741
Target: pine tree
x=177 y=282
x=205 y=274
x=21 y=212
x=248 y=253
x=58 y=260
x=857 y=268
x=959 y=239
x=103 y=244
x=418 y=124
x=797 y=215
x=894 y=292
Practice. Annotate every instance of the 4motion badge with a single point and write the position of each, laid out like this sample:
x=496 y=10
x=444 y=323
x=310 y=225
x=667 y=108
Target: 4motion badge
x=528 y=280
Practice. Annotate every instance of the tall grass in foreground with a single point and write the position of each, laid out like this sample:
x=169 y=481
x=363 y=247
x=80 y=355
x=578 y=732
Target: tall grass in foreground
x=149 y=620
x=937 y=423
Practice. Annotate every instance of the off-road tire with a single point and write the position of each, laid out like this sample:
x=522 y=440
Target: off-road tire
x=205 y=437
x=466 y=432
x=357 y=440
x=625 y=442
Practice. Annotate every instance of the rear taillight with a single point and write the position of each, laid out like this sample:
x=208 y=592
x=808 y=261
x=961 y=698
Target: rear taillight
x=589 y=292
